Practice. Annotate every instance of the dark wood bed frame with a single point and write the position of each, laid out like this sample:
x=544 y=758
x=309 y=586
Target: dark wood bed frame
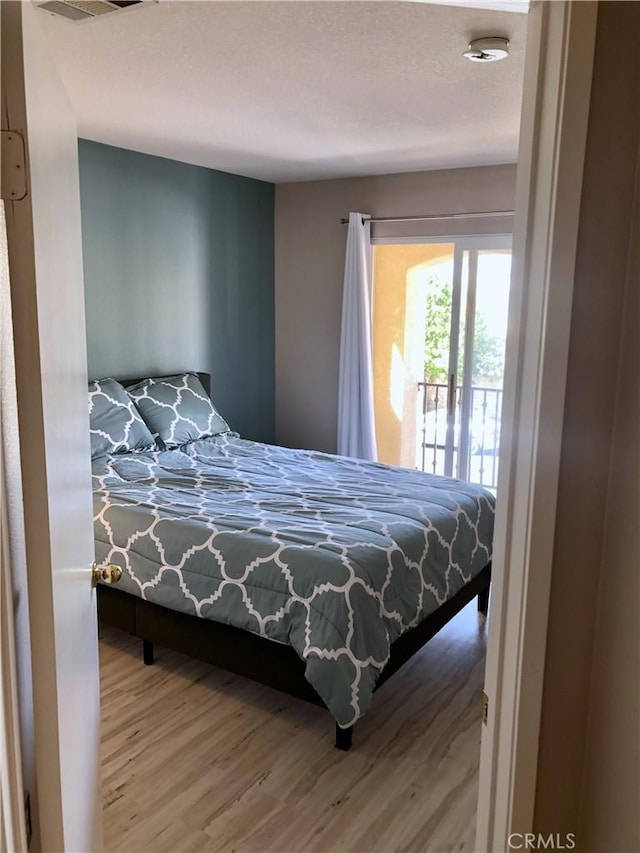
x=273 y=664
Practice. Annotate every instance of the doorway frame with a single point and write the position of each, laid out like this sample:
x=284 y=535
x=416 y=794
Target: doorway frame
x=560 y=47
x=553 y=132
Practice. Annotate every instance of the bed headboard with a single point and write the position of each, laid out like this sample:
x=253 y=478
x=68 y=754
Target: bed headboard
x=205 y=378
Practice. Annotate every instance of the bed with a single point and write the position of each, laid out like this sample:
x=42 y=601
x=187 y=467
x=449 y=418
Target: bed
x=315 y=574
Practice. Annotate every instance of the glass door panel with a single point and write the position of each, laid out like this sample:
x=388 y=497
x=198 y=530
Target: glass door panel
x=412 y=304
x=490 y=313
x=437 y=393
x=439 y=323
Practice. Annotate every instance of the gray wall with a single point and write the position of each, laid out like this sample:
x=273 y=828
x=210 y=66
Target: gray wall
x=310 y=246
x=178 y=264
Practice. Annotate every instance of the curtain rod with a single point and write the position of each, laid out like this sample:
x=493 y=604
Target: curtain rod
x=483 y=215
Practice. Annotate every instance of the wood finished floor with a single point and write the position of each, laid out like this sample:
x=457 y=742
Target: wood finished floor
x=195 y=759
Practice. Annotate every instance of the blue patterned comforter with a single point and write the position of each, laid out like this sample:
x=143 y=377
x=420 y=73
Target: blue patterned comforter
x=336 y=557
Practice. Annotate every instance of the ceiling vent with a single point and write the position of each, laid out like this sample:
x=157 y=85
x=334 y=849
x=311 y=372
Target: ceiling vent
x=85 y=10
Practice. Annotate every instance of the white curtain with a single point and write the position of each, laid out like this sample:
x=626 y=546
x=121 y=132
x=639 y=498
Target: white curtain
x=356 y=424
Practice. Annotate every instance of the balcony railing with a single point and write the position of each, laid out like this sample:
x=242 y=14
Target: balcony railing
x=484 y=431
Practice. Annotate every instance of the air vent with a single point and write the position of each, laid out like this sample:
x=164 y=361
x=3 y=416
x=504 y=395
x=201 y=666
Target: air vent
x=85 y=10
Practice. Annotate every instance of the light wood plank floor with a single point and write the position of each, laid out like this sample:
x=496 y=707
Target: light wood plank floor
x=195 y=759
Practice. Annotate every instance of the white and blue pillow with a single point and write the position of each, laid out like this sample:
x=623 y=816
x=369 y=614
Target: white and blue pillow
x=114 y=421
x=177 y=409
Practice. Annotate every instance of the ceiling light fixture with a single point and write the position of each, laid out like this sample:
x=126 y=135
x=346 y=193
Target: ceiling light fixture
x=489 y=49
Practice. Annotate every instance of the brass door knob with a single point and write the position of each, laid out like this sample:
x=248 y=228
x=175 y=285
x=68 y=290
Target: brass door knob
x=108 y=574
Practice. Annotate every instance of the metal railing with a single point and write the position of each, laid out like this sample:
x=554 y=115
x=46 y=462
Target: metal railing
x=484 y=431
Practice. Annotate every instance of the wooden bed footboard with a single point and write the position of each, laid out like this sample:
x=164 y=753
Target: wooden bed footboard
x=273 y=664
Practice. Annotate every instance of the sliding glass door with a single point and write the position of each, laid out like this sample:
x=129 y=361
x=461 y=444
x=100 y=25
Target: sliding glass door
x=440 y=323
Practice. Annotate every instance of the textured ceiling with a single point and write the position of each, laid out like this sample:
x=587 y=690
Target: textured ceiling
x=288 y=91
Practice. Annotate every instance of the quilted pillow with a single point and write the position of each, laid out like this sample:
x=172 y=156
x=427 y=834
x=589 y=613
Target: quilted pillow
x=177 y=409
x=115 y=423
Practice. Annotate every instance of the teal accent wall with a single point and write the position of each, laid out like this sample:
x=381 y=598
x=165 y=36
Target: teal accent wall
x=179 y=274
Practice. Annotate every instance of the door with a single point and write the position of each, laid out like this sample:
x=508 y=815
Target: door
x=45 y=270
x=476 y=359
x=440 y=326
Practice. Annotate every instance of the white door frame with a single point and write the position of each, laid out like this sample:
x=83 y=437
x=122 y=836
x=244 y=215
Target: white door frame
x=559 y=62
